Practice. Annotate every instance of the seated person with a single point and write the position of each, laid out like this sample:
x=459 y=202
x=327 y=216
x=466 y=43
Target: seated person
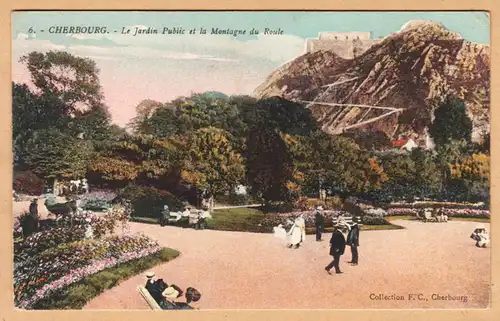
x=481 y=236
x=186 y=212
x=192 y=295
x=155 y=287
x=170 y=294
x=166 y=212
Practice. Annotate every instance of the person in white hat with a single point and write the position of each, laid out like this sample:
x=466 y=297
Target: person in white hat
x=353 y=240
x=170 y=293
x=153 y=287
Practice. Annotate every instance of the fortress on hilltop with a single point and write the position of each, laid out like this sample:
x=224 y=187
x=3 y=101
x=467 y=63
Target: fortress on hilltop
x=347 y=45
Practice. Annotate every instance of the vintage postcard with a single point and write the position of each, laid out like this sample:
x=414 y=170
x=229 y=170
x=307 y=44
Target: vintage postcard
x=202 y=160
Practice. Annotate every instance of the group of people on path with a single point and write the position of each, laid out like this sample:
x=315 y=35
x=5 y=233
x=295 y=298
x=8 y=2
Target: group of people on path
x=296 y=236
x=338 y=242
x=167 y=295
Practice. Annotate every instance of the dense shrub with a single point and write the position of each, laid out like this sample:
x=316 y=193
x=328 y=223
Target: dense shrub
x=60 y=209
x=373 y=220
x=28 y=183
x=149 y=201
x=28 y=223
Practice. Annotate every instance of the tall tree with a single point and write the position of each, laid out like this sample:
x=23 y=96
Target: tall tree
x=451 y=122
x=73 y=80
x=428 y=177
x=269 y=165
x=212 y=165
x=144 y=110
x=341 y=166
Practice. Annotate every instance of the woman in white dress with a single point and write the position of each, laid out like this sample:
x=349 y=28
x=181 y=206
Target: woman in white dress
x=294 y=236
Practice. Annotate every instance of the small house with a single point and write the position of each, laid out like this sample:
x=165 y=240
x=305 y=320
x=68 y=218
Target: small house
x=407 y=144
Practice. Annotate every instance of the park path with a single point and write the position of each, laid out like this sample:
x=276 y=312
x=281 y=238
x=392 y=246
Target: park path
x=235 y=270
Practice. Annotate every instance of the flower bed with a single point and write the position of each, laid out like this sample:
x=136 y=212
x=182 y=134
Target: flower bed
x=450 y=212
x=45 y=240
x=272 y=220
x=37 y=276
x=432 y=204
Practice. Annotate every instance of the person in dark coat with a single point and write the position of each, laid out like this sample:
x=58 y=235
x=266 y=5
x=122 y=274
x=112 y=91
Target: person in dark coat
x=34 y=208
x=320 y=222
x=337 y=248
x=154 y=287
x=353 y=241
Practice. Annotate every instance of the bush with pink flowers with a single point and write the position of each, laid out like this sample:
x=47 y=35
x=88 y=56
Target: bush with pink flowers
x=274 y=219
x=450 y=212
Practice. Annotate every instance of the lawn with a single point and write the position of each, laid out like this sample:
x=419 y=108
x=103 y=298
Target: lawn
x=78 y=294
x=248 y=220
x=238 y=219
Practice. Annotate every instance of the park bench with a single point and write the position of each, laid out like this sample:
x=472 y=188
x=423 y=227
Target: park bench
x=149 y=299
x=429 y=217
x=345 y=219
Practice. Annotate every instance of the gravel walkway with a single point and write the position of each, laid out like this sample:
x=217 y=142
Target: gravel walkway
x=236 y=270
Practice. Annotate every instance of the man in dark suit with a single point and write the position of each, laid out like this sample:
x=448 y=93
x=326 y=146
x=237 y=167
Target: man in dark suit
x=154 y=288
x=320 y=222
x=34 y=208
x=353 y=240
x=337 y=248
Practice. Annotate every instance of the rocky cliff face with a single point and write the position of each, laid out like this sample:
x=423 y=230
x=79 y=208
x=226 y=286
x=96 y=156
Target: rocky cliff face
x=412 y=69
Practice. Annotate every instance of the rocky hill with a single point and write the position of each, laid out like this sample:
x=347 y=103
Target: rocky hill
x=412 y=69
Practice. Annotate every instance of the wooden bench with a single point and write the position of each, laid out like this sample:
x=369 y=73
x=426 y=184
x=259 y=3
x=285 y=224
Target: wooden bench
x=149 y=299
x=346 y=219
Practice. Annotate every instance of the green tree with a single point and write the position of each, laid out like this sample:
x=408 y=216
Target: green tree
x=341 y=166
x=451 y=122
x=212 y=165
x=73 y=80
x=428 y=178
x=269 y=164
x=52 y=154
x=286 y=116
x=144 y=110
x=93 y=124
x=400 y=170
x=142 y=159
x=471 y=176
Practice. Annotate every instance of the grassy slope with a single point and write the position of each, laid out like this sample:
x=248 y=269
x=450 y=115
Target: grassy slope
x=78 y=294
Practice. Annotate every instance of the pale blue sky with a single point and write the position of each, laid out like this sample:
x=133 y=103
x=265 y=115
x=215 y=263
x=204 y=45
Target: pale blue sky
x=162 y=67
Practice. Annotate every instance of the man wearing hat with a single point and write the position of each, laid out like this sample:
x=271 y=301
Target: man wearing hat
x=153 y=287
x=320 y=222
x=353 y=240
x=337 y=248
